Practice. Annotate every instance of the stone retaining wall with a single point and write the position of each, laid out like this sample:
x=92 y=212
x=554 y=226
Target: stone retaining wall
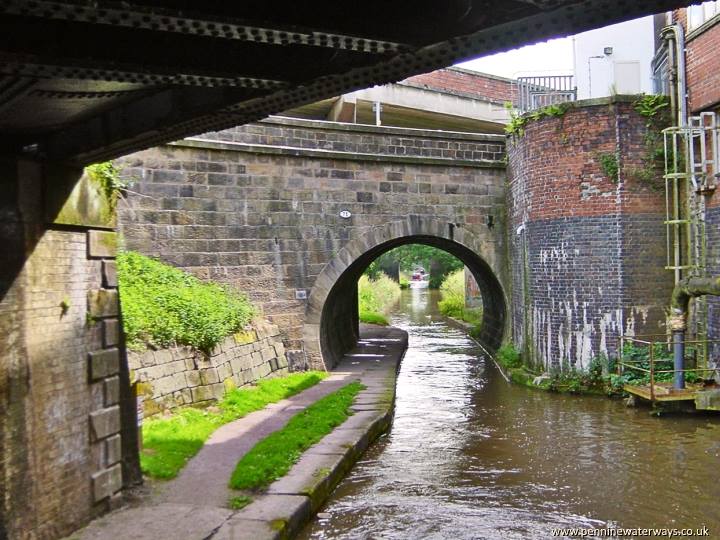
x=171 y=378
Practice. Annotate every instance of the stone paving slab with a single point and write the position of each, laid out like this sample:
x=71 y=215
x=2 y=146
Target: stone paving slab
x=160 y=522
x=193 y=506
x=222 y=451
x=236 y=529
x=361 y=420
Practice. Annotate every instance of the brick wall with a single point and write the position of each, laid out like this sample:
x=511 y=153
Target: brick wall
x=468 y=83
x=171 y=378
x=713 y=258
x=62 y=450
x=588 y=252
x=702 y=64
x=703 y=82
x=258 y=206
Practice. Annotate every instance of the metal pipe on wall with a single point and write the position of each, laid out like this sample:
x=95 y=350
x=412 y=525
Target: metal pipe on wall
x=677 y=64
x=685 y=290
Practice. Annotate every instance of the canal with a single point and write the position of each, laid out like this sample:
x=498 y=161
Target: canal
x=471 y=456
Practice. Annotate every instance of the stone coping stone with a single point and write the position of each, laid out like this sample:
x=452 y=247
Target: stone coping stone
x=289 y=503
x=157 y=522
x=324 y=465
x=382 y=130
x=269 y=516
x=320 y=153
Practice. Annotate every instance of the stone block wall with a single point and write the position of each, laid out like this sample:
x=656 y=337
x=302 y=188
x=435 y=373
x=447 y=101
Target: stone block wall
x=587 y=250
x=258 y=206
x=179 y=376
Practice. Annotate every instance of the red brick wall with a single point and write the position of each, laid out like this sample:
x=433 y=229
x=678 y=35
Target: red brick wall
x=702 y=65
x=567 y=178
x=587 y=251
x=478 y=85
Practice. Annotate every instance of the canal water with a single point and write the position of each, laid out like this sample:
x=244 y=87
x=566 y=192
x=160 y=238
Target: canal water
x=470 y=456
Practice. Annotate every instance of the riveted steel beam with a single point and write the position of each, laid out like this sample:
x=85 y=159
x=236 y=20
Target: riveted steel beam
x=568 y=19
x=159 y=20
x=14 y=88
x=78 y=69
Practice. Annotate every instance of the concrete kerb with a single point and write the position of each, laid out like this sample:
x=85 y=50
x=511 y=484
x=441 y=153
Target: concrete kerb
x=290 y=502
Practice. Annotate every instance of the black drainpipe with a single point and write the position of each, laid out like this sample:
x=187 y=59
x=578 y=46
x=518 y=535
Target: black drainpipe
x=687 y=288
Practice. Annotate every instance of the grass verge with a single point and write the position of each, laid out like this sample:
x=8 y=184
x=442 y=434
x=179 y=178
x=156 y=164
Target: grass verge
x=272 y=457
x=163 y=306
x=168 y=443
x=371 y=317
x=376 y=297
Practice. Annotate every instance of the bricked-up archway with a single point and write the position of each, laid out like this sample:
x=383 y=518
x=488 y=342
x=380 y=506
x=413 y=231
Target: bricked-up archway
x=331 y=323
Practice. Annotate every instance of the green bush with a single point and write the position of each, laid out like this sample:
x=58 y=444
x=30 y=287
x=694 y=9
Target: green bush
x=663 y=360
x=452 y=293
x=508 y=356
x=163 y=306
x=376 y=297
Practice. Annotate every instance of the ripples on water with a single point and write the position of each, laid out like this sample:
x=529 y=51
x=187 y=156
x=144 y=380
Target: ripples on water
x=470 y=456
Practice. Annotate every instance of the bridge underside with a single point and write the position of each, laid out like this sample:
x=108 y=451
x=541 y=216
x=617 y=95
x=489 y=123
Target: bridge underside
x=339 y=330
x=85 y=82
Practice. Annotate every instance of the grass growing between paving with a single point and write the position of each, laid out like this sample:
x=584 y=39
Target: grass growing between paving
x=272 y=457
x=168 y=443
x=239 y=502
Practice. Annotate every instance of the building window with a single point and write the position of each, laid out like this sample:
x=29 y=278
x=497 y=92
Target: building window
x=698 y=15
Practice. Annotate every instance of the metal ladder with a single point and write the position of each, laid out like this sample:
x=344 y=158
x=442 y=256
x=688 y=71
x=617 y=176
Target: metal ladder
x=691 y=174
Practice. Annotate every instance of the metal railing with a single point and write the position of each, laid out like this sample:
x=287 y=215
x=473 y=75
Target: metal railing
x=541 y=91
x=654 y=345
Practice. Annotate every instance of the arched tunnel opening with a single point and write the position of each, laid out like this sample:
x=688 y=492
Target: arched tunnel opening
x=339 y=323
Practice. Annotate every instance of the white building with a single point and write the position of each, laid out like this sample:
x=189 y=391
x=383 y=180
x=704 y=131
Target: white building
x=615 y=59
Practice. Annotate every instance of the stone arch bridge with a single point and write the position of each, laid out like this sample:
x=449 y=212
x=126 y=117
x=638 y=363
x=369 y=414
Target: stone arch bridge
x=261 y=207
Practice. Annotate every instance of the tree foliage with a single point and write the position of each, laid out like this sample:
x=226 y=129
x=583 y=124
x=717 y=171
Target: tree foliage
x=441 y=262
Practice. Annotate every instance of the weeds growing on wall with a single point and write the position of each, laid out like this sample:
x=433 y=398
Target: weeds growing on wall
x=518 y=122
x=610 y=166
x=164 y=306
x=107 y=176
x=655 y=109
x=376 y=297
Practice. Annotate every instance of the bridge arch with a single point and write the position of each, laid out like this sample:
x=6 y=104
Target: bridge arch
x=331 y=319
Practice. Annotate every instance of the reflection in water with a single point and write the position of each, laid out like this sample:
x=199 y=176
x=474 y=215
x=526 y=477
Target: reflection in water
x=470 y=456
